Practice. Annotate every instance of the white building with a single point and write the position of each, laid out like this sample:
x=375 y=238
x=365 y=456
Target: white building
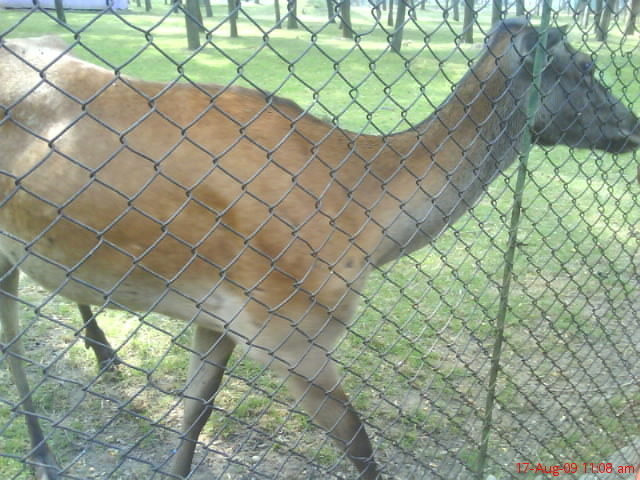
x=68 y=4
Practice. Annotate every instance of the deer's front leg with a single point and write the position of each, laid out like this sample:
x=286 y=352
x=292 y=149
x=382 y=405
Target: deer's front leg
x=206 y=368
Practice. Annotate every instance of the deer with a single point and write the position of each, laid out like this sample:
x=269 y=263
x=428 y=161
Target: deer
x=243 y=214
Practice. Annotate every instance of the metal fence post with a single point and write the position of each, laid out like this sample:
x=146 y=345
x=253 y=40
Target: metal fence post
x=534 y=99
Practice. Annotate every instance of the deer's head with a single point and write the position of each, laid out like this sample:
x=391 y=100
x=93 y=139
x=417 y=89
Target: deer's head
x=576 y=109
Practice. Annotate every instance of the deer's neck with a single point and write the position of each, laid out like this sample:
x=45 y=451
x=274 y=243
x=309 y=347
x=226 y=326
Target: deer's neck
x=449 y=159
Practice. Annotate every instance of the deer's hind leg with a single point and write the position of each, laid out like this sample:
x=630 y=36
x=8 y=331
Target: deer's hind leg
x=312 y=378
x=318 y=392
x=211 y=352
x=97 y=340
x=41 y=457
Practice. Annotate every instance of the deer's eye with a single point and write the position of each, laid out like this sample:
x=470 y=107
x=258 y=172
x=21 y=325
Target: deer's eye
x=586 y=67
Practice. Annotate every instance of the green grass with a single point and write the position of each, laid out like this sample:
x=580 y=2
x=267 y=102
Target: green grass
x=416 y=360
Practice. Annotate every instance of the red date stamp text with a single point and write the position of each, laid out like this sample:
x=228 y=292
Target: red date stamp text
x=577 y=468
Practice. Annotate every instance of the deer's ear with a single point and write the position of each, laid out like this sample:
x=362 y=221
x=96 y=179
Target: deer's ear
x=556 y=36
x=526 y=43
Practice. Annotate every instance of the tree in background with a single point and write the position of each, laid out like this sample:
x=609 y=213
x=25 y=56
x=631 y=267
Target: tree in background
x=60 y=11
x=292 y=14
x=456 y=10
x=233 y=6
x=396 y=38
x=597 y=13
x=604 y=20
x=191 y=10
x=579 y=11
x=345 y=16
x=276 y=6
x=469 y=21
x=208 y=11
x=634 y=11
x=331 y=11
x=377 y=8
x=496 y=11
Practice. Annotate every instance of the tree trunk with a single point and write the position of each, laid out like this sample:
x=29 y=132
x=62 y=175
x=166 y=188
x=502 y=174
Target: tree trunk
x=519 y=8
x=456 y=10
x=469 y=20
x=377 y=9
x=193 y=29
x=233 y=17
x=634 y=11
x=602 y=29
x=390 y=14
x=597 y=15
x=581 y=6
x=396 y=39
x=276 y=6
x=585 y=19
x=345 y=14
x=199 y=19
x=331 y=11
x=60 y=11
x=496 y=11
x=208 y=11
x=292 y=14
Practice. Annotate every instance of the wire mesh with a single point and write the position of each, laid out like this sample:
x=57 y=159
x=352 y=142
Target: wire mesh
x=197 y=217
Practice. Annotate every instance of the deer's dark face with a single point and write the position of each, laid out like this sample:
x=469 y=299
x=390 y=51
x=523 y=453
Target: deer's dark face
x=576 y=109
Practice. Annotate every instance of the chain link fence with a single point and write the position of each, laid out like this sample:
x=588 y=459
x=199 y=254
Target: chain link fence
x=505 y=347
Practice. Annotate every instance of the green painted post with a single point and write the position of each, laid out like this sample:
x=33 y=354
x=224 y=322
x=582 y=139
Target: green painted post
x=534 y=100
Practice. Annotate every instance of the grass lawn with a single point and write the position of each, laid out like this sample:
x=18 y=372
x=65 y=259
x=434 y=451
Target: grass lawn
x=416 y=361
